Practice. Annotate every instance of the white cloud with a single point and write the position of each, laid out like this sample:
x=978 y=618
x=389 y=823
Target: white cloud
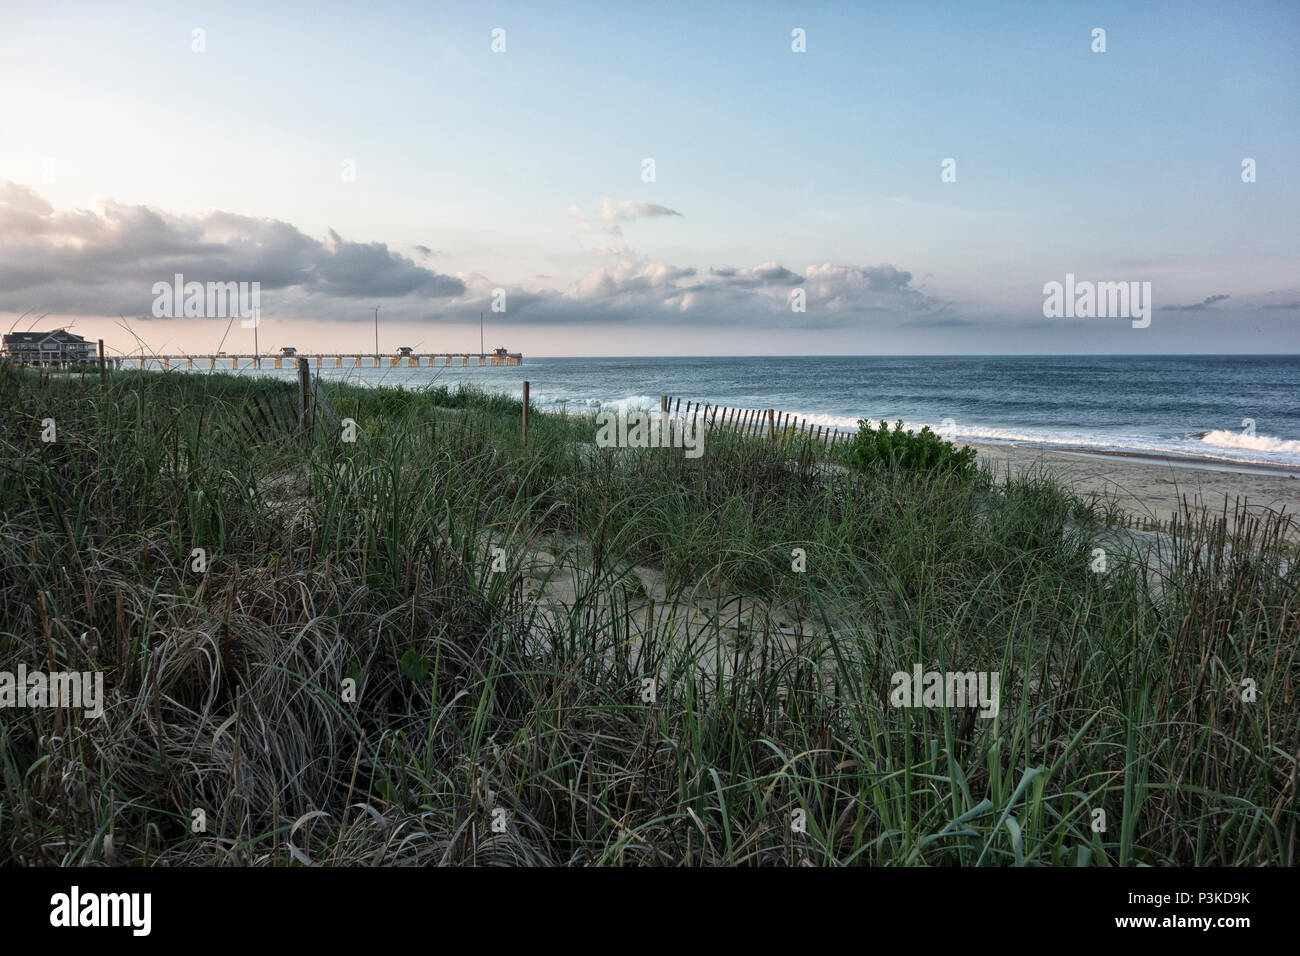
x=106 y=261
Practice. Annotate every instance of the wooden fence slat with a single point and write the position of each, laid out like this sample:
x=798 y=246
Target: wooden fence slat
x=304 y=397
x=264 y=416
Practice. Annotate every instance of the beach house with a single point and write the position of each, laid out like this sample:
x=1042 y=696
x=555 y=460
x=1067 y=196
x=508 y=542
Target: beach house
x=59 y=347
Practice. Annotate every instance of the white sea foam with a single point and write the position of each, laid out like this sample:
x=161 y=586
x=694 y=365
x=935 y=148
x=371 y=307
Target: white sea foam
x=1230 y=439
x=582 y=406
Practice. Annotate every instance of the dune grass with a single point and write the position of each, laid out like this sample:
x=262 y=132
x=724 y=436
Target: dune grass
x=491 y=727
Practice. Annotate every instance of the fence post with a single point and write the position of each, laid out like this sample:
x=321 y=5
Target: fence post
x=525 y=413
x=304 y=397
x=771 y=423
x=101 y=365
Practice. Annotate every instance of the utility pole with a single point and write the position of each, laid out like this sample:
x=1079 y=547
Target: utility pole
x=376 y=336
x=480 y=333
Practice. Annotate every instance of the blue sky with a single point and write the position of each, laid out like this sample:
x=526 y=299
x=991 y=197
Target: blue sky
x=493 y=169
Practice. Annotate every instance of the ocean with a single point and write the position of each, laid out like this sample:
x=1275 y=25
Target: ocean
x=1226 y=409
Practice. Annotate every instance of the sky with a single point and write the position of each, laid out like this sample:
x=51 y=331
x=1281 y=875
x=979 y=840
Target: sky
x=353 y=156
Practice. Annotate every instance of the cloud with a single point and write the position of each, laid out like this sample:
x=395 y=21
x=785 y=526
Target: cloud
x=371 y=270
x=938 y=322
x=767 y=273
x=613 y=212
x=1198 y=307
x=16 y=200
x=882 y=279
x=106 y=261
x=640 y=291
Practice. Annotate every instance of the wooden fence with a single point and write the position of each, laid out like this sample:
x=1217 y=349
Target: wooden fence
x=756 y=422
x=282 y=409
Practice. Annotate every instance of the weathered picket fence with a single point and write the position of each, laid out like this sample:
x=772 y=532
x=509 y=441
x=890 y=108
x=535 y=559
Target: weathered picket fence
x=281 y=409
x=756 y=422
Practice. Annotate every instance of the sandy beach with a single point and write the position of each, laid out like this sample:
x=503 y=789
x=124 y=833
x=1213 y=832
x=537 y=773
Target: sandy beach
x=1149 y=487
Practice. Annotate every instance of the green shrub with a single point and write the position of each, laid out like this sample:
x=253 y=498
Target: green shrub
x=923 y=452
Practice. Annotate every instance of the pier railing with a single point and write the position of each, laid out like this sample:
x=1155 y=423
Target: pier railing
x=323 y=360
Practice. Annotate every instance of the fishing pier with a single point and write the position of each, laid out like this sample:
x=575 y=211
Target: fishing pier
x=321 y=360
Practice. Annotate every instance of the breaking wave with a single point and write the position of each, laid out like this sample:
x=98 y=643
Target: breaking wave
x=1231 y=439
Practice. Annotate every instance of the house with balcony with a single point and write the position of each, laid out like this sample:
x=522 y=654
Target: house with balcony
x=59 y=347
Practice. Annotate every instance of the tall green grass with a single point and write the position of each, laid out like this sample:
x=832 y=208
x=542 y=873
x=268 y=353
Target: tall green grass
x=373 y=562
